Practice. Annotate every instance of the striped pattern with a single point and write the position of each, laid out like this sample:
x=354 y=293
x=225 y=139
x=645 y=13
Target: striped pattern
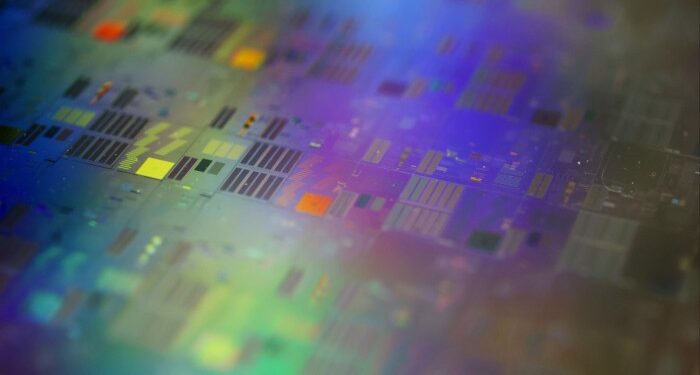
x=539 y=185
x=290 y=282
x=271 y=157
x=181 y=168
x=64 y=13
x=30 y=135
x=498 y=79
x=333 y=72
x=204 y=35
x=252 y=184
x=274 y=128
x=432 y=193
x=376 y=150
x=144 y=145
x=97 y=150
x=430 y=162
x=77 y=87
x=425 y=206
x=598 y=245
x=348 y=51
x=572 y=119
x=122 y=241
x=119 y=124
x=125 y=98
x=491 y=90
x=511 y=242
x=419 y=220
x=342 y=204
x=222 y=117
x=159 y=310
x=483 y=101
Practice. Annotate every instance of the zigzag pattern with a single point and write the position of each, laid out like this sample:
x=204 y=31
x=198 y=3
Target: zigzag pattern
x=141 y=146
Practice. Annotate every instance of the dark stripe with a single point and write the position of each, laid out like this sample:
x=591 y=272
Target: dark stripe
x=255 y=184
x=76 y=145
x=258 y=154
x=83 y=146
x=94 y=148
x=51 y=132
x=268 y=156
x=178 y=166
x=34 y=135
x=186 y=169
x=116 y=153
x=123 y=124
x=238 y=181
x=248 y=182
x=109 y=152
x=229 y=113
x=284 y=161
x=29 y=134
x=132 y=95
x=297 y=155
x=121 y=120
x=135 y=129
x=100 y=150
x=222 y=117
x=279 y=129
x=265 y=186
x=98 y=120
x=104 y=122
x=269 y=127
x=77 y=87
x=273 y=188
x=203 y=165
x=128 y=129
x=26 y=133
x=215 y=121
x=124 y=98
x=230 y=178
x=250 y=153
x=274 y=158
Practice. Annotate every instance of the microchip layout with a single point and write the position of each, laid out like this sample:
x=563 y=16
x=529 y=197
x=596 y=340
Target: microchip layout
x=349 y=187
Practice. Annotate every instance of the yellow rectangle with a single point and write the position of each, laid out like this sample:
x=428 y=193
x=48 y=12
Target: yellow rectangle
x=222 y=150
x=181 y=133
x=73 y=116
x=544 y=186
x=535 y=184
x=211 y=147
x=236 y=151
x=85 y=118
x=61 y=113
x=170 y=147
x=154 y=168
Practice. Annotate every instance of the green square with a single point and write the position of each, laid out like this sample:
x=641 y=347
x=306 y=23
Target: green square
x=8 y=134
x=482 y=240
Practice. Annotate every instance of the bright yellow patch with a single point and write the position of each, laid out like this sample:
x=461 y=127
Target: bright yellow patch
x=85 y=118
x=61 y=113
x=236 y=151
x=154 y=168
x=248 y=58
x=216 y=351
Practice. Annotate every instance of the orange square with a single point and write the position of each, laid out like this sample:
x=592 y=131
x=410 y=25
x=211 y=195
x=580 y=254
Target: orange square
x=110 y=31
x=248 y=58
x=314 y=204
